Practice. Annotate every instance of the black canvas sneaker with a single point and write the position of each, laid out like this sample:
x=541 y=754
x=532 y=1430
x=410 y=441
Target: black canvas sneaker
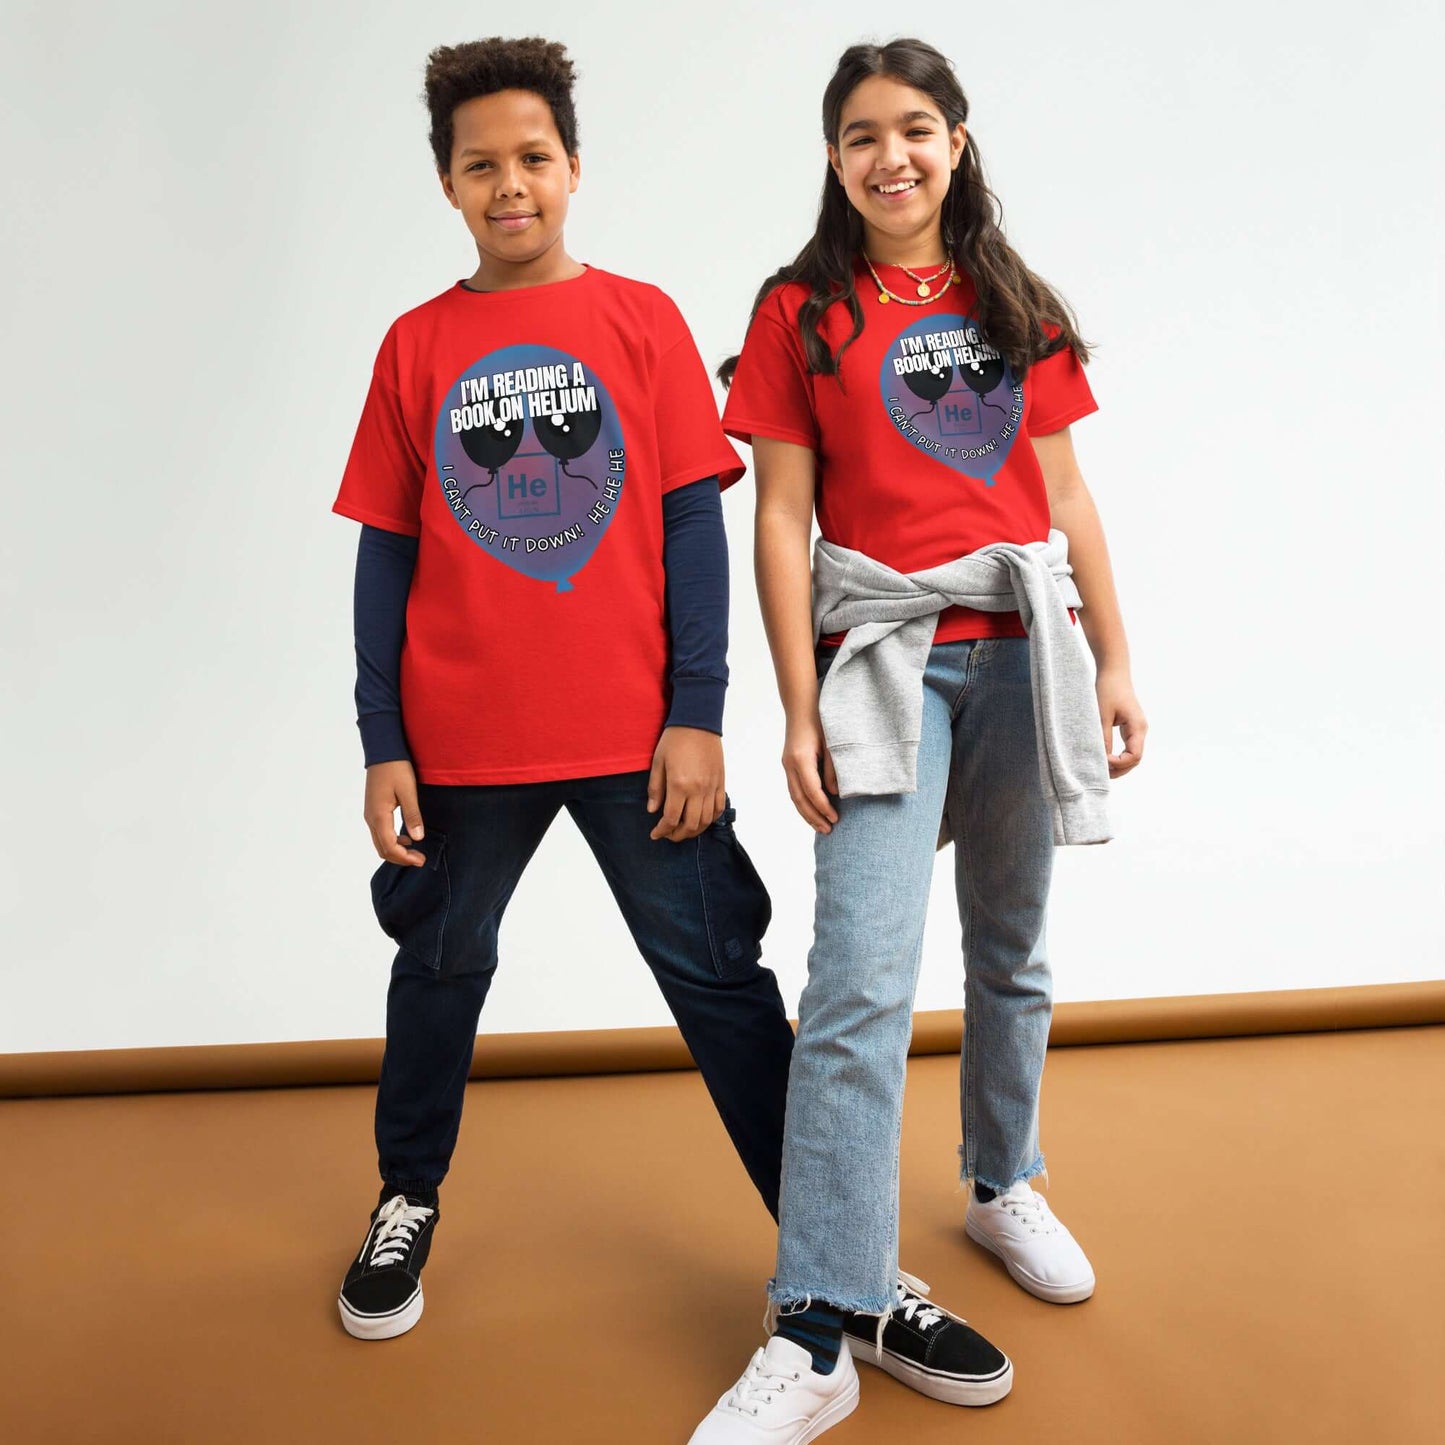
x=930 y=1350
x=381 y=1294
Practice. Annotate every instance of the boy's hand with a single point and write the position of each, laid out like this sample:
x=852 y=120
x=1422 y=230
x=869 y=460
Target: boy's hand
x=1119 y=708
x=686 y=783
x=390 y=786
x=809 y=770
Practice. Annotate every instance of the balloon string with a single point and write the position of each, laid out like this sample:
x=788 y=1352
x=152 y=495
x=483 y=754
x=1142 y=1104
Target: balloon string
x=577 y=476
x=990 y=405
x=932 y=406
x=475 y=485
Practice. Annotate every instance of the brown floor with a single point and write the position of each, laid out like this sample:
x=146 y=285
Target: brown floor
x=1263 y=1214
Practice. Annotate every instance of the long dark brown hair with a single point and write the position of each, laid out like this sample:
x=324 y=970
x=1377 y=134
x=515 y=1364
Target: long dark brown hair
x=1014 y=305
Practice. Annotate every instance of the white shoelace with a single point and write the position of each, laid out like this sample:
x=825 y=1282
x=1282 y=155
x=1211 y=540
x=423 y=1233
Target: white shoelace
x=909 y=1301
x=759 y=1383
x=1029 y=1206
x=914 y=1307
x=397 y=1223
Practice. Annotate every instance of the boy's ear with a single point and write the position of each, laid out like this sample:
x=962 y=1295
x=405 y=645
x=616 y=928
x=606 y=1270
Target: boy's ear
x=574 y=165
x=448 y=191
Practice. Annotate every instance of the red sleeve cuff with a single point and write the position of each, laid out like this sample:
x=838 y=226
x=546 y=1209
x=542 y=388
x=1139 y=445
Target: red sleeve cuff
x=727 y=467
x=1061 y=419
x=743 y=430
x=408 y=528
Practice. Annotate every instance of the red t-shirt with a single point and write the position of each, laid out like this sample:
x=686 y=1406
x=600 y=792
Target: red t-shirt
x=923 y=451
x=527 y=438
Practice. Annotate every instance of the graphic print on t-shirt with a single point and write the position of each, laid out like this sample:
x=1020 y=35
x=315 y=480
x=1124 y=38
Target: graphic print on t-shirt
x=952 y=394
x=531 y=459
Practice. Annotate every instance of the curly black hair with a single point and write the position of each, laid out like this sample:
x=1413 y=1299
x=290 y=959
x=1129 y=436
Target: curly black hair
x=456 y=74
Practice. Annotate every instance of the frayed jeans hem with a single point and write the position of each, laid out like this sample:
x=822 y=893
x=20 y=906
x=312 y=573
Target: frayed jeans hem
x=787 y=1298
x=1032 y=1172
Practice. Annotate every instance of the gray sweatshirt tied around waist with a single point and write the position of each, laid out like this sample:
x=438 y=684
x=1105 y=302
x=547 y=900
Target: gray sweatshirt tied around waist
x=871 y=702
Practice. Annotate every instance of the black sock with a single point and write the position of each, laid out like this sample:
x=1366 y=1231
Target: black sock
x=819 y=1330
x=983 y=1193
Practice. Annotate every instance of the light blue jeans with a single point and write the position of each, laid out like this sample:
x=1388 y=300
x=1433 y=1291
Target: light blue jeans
x=838 y=1227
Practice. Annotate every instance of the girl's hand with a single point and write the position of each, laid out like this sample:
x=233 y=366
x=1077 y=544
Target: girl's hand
x=686 y=783
x=810 y=774
x=390 y=786
x=1119 y=708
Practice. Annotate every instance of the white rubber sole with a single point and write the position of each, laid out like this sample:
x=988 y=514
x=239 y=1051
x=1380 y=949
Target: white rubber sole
x=837 y=1410
x=381 y=1327
x=1055 y=1294
x=948 y=1388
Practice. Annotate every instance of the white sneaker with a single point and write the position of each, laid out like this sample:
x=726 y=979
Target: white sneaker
x=1038 y=1251
x=781 y=1399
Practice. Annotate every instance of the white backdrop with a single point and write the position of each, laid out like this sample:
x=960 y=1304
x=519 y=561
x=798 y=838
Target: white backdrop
x=213 y=214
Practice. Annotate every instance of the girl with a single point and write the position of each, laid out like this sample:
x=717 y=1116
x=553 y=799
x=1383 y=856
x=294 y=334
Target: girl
x=911 y=380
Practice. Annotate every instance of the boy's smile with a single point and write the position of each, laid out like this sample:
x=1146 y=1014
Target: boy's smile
x=514 y=220
x=511 y=178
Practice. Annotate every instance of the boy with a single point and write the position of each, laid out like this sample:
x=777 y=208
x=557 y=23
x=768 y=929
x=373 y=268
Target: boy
x=537 y=473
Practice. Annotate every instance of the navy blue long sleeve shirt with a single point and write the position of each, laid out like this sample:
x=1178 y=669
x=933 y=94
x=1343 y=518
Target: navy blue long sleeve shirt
x=694 y=559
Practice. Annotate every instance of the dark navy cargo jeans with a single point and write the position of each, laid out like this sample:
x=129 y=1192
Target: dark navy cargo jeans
x=697 y=911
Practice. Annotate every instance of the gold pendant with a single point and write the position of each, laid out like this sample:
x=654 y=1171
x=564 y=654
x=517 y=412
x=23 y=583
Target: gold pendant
x=882 y=298
x=923 y=289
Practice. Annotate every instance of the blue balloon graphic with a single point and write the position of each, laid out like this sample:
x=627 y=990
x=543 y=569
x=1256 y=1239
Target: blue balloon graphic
x=531 y=460
x=975 y=410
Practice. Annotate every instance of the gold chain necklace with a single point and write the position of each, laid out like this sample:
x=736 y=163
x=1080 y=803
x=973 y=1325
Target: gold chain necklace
x=925 y=282
x=924 y=288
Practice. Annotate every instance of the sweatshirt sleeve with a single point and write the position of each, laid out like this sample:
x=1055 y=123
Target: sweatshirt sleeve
x=695 y=559
x=384 y=565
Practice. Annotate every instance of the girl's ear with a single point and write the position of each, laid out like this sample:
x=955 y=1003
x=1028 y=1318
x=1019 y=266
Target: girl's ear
x=956 y=143
x=835 y=162
x=448 y=190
